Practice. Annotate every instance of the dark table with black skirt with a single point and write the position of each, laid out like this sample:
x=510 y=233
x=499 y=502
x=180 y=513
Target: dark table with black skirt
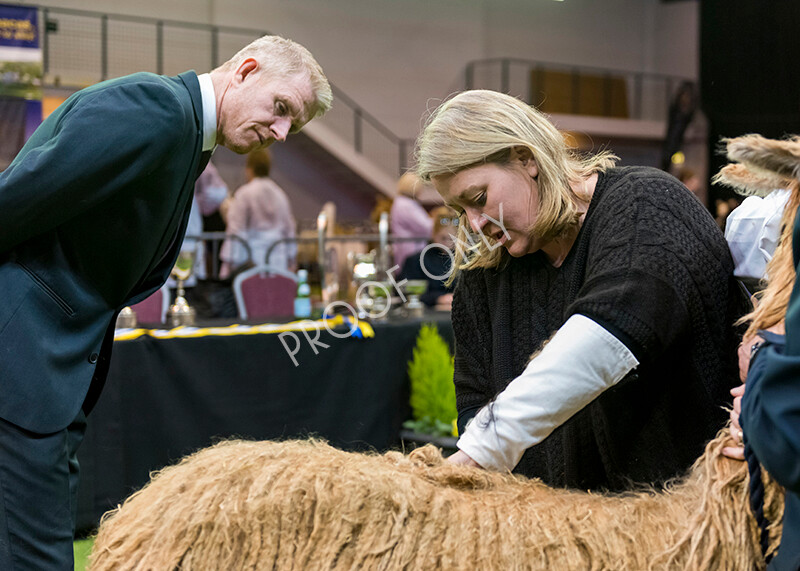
x=169 y=394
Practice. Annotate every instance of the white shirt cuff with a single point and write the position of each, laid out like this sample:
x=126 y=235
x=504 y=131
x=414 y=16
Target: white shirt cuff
x=579 y=363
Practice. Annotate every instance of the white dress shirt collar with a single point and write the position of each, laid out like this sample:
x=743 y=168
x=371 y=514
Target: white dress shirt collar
x=209 y=112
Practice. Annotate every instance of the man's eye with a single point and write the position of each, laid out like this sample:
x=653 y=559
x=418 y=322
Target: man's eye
x=480 y=200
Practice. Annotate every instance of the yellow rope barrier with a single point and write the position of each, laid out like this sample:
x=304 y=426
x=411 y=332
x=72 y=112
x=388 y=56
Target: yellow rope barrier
x=364 y=329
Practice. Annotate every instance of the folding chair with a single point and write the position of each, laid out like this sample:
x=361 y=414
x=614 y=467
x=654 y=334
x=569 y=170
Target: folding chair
x=153 y=309
x=265 y=291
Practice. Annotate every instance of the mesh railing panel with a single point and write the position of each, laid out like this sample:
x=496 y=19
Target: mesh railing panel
x=187 y=48
x=75 y=51
x=132 y=47
x=231 y=42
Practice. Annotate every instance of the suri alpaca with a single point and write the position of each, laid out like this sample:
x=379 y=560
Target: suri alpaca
x=306 y=505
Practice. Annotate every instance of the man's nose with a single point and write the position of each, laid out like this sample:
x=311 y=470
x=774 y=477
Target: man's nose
x=280 y=129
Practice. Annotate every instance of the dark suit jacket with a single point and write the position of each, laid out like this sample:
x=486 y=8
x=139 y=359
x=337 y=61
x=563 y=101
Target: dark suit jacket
x=92 y=213
x=770 y=419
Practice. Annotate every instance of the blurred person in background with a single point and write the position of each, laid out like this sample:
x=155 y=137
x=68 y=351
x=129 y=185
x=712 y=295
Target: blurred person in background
x=434 y=263
x=753 y=230
x=691 y=181
x=209 y=193
x=680 y=114
x=260 y=213
x=408 y=218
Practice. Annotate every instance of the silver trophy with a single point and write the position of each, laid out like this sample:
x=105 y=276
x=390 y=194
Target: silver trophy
x=126 y=318
x=180 y=312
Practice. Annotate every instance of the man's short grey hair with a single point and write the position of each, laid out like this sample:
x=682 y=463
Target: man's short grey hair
x=283 y=58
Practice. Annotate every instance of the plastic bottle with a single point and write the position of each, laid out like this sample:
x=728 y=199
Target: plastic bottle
x=302 y=302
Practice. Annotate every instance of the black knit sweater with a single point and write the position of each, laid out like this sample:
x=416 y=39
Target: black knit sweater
x=651 y=266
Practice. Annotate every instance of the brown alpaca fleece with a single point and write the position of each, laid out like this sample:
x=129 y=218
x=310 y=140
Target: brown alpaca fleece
x=750 y=182
x=305 y=505
x=766 y=156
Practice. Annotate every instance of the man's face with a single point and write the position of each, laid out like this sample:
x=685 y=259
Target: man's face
x=257 y=110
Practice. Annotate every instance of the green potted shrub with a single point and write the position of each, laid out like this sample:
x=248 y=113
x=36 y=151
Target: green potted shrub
x=433 y=396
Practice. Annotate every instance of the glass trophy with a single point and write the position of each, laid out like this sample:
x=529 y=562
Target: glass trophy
x=180 y=313
x=414 y=289
x=362 y=270
x=380 y=294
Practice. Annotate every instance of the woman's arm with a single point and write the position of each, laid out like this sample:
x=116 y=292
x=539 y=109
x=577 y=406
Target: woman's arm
x=579 y=363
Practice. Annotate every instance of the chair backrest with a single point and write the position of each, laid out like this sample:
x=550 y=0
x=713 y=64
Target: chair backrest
x=265 y=291
x=153 y=309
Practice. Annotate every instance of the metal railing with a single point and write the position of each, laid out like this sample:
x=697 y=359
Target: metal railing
x=82 y=47
x=368 y=136
x=625 y=94
x=212 y=242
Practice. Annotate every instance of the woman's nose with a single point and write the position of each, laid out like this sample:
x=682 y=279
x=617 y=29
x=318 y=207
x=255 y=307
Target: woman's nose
x=476 y=220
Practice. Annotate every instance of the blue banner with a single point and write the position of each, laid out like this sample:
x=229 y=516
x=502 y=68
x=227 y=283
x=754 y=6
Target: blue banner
x=21 y=72
x=18 y=26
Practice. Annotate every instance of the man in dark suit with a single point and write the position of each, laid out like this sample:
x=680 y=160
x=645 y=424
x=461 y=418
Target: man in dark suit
x=92 y=214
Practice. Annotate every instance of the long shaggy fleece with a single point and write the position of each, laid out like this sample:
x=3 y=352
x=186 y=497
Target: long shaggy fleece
x=749 y=182
x=769 y=156
x=305 y=505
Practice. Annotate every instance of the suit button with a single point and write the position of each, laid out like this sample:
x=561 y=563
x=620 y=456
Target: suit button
x=93 y=358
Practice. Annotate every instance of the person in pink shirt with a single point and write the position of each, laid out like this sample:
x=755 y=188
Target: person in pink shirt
x=408 y=219
x=260 y=213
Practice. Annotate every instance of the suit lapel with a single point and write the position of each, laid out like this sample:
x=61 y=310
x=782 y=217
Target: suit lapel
x=160 y=271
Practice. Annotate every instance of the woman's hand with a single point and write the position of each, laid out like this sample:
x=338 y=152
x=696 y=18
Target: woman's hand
x=462 y=458
x=736 y=452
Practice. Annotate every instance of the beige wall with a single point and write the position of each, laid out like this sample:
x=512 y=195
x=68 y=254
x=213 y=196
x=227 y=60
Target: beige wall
x=398 y=57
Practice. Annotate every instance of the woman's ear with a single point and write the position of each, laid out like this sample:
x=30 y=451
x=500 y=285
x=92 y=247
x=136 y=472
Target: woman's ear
x=525 y=157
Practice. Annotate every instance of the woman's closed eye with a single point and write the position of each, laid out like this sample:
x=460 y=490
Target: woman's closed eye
x=458 y=210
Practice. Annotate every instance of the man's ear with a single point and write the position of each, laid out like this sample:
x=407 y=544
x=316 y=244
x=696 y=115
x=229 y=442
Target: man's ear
x=525 y=156
x=248 y=66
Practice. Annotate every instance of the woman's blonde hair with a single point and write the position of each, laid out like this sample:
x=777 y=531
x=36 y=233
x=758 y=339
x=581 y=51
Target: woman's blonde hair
x=482 y=126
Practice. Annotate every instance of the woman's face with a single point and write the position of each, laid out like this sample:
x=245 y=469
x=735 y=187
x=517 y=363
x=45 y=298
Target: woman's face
x=500 y=201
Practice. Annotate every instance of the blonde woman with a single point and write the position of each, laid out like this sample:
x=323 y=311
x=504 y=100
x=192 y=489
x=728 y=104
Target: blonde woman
x=617 y=277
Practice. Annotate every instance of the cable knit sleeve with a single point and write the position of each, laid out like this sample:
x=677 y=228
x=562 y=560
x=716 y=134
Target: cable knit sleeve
x=473 y=358
x=656 y=267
